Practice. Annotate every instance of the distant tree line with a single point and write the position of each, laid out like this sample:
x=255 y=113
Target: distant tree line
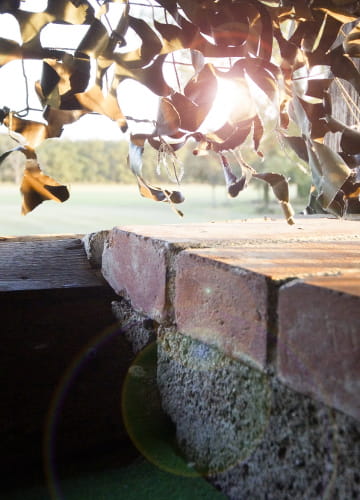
x=99 y=161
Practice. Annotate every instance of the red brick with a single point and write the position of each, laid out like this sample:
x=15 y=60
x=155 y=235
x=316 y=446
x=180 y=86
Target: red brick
x=135 y=267
x=222 y=305
x=281 y=260
x=318 y=350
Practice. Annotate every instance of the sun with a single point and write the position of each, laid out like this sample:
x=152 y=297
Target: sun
x=233 y=103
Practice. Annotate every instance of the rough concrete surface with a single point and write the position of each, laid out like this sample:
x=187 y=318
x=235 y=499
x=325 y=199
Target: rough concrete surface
x=138 y=330
x=94 y=247
x=255 y=438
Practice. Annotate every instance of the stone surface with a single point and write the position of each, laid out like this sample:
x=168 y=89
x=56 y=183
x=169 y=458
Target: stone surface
x=222 y=305
x=319 y=339
x=250 y=231
x=94 y=247
x=253 y=436
x=138 y=330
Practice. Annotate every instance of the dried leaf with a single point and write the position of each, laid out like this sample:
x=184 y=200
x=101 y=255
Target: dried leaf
x=33 y=133
x=37 y=187
x=280 y=187
x=9 y=51
x=191 y=114
x=136 y=151
x=234 y=184
x=151 y=76
x=351 y=43
x=350 y=141
x=94 y=100
x=150 y=46
x=28 y=153
x=298 y=144
x=329 y=172
x=57 y=118
x=168 y=119
x=201 y=89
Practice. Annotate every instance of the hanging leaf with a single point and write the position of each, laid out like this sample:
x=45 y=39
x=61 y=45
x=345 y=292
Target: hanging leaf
x=240 y=132
x=329 y=172
x=257 y=133
x=136 y=151
x=57 y=118
x=32 y=133
x=351 y=161
x=157 y=193
x=350 y=141
x=317 y=117
x=9 y=51
x=266 y=36
x=280 y=187
x=150 y=45
x=9 y=6
x=94 y=100
x=351 y=43
x=37 y=187
x=340 y=14
x=167 y=158
x=95 y=41
x=151 y=76
x=28 y=153
x=234 y=184
x=342 y=67
x=168 y=119
x=298 y=144
x=201 y=89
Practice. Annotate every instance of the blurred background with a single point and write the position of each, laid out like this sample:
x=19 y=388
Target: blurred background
x=103 y=193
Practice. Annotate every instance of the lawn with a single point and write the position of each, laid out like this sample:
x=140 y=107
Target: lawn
x=95 y=207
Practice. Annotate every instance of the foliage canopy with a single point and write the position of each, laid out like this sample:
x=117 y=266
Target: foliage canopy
x=291 y=50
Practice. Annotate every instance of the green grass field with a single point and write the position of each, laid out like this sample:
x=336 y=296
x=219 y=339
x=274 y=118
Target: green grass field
x=95 y=207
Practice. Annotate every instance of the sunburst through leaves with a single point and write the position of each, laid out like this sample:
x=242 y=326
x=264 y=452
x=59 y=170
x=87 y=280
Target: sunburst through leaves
x=283 y=56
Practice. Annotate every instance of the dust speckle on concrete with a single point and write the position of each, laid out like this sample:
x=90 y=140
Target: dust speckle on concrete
x=250 y=434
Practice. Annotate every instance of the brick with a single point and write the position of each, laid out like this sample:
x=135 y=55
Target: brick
x=283 y=260
x=318 y=349
x=222 y=305
x=228 y=233
x=135 y=267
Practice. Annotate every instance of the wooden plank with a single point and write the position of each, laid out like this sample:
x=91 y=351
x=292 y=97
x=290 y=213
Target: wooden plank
x=41 y=264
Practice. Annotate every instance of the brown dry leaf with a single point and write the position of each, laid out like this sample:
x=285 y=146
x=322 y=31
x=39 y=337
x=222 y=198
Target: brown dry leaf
x=352 y=42
x=280 y=187
x=151 y=76
x=94 y=100
x=150 y=45
x=168 y=119
x=233 y=184
x=37 y=187
x=57 y=118
x=329 y=172
x=34 y=133
x=9 y=51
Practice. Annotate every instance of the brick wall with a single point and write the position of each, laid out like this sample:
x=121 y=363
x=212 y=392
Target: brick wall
x=258 y=347
x=251 y=287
